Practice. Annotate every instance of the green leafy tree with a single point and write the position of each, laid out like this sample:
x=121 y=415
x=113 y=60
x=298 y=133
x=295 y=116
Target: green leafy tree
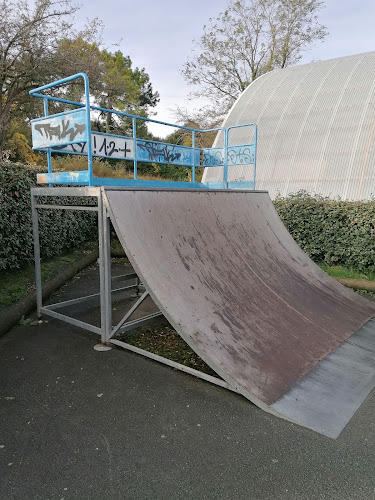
x=114 y=83
x=29 y=39
x=124 y=89
x=39 y=44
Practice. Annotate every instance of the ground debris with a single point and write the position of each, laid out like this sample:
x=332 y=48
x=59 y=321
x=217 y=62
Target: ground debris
x=164 y=341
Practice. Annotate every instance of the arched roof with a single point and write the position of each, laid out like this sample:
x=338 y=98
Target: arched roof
x=316 y=129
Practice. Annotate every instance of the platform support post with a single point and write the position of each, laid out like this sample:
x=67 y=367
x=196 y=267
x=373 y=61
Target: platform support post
x=38 y=273
x=225 y=167
x=105 y=271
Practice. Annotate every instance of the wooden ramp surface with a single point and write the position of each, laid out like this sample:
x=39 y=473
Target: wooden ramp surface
x=230 y=279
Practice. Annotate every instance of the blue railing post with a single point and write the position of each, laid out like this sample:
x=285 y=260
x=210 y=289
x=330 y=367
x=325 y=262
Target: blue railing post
x=225 y=168
x=193 y=153
x=86 y=106
x=49 y=160
x=88 y=125
x=134 y=121
x=254 y=144
x=255 y=151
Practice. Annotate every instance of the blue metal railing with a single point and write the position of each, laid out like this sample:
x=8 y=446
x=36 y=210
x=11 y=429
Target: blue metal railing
x=70 y=133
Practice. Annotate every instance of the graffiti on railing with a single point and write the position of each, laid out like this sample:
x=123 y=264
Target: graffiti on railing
x=61 y=131
x=213 y=157
x=104 y=146
x=241 y=155
x=60 y=138
x=237 y=155
x=64 y=128
x=160 y=152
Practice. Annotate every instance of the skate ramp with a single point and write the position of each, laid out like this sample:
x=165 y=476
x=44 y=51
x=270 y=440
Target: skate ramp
x=227 y=275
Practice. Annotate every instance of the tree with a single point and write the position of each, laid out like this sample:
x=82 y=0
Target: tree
x=123 y=89
x=114 y=84
x=250 y=38
x=39 y=44
x=28 y=43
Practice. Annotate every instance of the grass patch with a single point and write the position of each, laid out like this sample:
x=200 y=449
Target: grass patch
x=17 y=283
x=344 y=272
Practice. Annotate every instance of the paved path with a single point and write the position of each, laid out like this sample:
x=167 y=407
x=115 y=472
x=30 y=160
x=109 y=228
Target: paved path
x=82 y=424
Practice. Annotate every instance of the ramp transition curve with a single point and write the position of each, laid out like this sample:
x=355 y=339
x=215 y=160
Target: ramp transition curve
x=227 y=275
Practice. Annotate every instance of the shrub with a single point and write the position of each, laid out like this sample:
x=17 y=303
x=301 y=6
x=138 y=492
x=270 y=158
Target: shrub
x=332 y=231
x=60 y=230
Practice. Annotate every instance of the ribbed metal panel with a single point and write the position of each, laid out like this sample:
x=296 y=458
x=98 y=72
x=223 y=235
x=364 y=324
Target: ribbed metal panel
x=316 y=129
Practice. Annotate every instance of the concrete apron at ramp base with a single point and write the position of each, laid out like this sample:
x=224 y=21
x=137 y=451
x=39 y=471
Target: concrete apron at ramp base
x=224 y=271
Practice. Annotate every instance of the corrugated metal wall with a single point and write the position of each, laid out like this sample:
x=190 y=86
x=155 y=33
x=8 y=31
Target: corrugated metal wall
x=316 y=129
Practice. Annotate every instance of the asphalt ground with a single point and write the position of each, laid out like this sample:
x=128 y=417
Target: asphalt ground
x=81 y=424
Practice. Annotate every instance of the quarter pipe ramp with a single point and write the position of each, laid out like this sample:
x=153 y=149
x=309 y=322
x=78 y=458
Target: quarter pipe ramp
x=227 y=275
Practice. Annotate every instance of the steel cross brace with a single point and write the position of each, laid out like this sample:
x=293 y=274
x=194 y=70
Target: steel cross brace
x=122 y=326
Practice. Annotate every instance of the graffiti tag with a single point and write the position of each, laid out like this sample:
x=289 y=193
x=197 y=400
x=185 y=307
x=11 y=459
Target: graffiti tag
x=59 y=129
x=62 y=131
x=159 y=152
x=237 y=155
x=241 y=155
x=103 y=145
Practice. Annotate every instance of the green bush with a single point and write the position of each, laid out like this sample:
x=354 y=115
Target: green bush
x=332 y=231
x=60 y=230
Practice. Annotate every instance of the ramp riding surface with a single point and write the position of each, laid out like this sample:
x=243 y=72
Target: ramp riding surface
x=227 y=275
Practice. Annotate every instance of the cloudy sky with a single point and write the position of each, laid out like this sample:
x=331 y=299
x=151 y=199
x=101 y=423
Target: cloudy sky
x=158 y=36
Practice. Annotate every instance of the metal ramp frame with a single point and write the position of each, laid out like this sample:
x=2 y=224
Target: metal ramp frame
x=300 y=346
x=106 y=331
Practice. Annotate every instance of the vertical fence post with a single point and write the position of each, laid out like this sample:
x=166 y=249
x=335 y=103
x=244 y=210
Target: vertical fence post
x=135 y=147
x=38 y=273
x=49 y=160
x=107 y=272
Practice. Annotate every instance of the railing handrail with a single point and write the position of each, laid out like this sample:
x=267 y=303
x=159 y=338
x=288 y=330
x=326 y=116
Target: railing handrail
x=88 y=108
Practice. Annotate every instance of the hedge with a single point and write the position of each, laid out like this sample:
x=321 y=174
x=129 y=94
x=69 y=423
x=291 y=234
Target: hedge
x=332 y=231
x=60 y=230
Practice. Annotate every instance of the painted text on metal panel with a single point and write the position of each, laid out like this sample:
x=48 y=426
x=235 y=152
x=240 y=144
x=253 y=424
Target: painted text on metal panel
x=60 y=129
x=237 y=155
x=172 y=154
x=104 y=146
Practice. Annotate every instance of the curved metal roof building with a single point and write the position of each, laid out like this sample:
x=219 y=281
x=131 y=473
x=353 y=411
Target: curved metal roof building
x=316 y=129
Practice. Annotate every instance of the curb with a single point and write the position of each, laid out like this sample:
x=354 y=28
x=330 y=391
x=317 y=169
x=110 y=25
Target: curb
x=12 y=314
x=367 y=285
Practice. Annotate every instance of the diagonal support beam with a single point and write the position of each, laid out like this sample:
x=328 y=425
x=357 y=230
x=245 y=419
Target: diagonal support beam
x=128 y=314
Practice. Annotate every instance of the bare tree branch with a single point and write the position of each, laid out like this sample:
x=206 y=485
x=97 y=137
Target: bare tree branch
x=248 y=39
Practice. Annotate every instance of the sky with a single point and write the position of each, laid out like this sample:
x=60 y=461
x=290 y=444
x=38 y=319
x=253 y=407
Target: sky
x=158 y=35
